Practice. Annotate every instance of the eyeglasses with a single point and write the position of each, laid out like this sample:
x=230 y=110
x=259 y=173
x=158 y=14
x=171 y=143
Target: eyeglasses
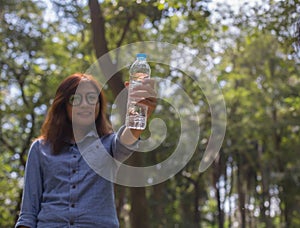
x=76 y=99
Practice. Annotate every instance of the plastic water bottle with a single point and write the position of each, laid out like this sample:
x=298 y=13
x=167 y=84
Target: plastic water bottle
x=136 y=116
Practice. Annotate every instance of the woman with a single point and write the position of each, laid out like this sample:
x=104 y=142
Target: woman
x=61 y=189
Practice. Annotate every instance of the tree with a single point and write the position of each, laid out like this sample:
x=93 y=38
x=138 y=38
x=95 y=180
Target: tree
x=255 y=178
x=257 y=101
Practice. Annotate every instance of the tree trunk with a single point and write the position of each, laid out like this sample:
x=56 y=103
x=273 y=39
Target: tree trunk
x=231 y=177
x=197 y=194
x=158 y=209
x=158 y=198
x=139 y=207
x=241 y=195
x=120 y=193
x=196 y=205
x=217 y=172
x=101 y=48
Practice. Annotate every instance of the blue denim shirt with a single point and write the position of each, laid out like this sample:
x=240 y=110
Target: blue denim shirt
x=64 y=191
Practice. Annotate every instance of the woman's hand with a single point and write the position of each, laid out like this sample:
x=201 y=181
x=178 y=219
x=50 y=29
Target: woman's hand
x=145 y=94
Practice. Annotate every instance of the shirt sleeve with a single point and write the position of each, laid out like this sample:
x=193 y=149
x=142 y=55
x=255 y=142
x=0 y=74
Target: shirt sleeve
x=120 y=151
x=32 y=191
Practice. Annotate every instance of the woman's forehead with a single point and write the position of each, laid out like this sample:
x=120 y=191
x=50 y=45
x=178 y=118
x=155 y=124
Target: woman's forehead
x=86 y=87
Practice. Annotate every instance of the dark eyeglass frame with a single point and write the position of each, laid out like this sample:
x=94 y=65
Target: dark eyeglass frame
x=90 y=100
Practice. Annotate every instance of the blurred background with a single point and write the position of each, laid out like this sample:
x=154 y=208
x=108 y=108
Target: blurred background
x=250 y=48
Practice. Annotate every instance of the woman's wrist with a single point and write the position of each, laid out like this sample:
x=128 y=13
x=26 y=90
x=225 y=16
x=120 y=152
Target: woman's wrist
x=130 y=136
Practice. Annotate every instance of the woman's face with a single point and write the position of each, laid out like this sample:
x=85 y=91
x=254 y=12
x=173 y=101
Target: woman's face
x=83 y=107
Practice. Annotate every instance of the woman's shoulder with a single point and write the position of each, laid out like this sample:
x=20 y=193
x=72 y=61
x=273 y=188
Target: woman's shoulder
x=108 y=137
x=39 y=145
x=38 y=142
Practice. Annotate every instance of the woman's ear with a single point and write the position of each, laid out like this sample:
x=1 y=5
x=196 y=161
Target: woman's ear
x=126 y=83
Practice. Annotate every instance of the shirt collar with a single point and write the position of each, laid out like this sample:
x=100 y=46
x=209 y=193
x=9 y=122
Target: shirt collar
x=89 y=135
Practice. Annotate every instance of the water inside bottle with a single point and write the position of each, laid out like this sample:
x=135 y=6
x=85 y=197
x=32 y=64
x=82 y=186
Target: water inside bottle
x=136 y=117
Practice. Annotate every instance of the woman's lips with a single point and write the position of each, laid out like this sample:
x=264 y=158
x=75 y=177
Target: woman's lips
x=84 y=114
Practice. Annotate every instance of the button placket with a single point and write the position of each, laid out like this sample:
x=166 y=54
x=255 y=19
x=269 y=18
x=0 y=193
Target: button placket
x=73 y=184
x=73 y=173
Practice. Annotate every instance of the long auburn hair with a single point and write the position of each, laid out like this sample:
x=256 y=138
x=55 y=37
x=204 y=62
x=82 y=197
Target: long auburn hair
x=57 y=128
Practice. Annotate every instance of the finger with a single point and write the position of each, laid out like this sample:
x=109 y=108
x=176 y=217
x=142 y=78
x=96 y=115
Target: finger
x=146 y=82
x=126 y=84
x=145 y=86
x=151 y=104
x=142 y=94
x=149 y=81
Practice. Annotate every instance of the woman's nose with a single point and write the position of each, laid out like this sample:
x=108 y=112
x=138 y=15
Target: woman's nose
x=84 y=102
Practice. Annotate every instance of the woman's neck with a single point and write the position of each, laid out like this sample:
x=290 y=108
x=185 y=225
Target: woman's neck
x=79 y=133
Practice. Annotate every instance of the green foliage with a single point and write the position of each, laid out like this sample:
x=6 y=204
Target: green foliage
x=257 y=172
x=257 y=100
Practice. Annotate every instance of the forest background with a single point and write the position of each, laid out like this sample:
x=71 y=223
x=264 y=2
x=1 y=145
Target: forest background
x=251 y=50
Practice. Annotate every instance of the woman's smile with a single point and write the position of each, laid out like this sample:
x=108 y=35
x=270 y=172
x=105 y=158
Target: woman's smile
x=84 y=113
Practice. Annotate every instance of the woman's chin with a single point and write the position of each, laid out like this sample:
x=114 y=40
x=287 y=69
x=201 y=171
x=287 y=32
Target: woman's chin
x=83 y=127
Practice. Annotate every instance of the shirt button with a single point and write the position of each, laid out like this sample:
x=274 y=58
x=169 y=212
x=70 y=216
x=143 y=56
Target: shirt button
x=74 y=171
x=71 y=223
x=74 y=156
x=73 y=205
x=74 y=186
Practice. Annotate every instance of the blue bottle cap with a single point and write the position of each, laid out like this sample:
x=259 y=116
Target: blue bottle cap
x=141 y=55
